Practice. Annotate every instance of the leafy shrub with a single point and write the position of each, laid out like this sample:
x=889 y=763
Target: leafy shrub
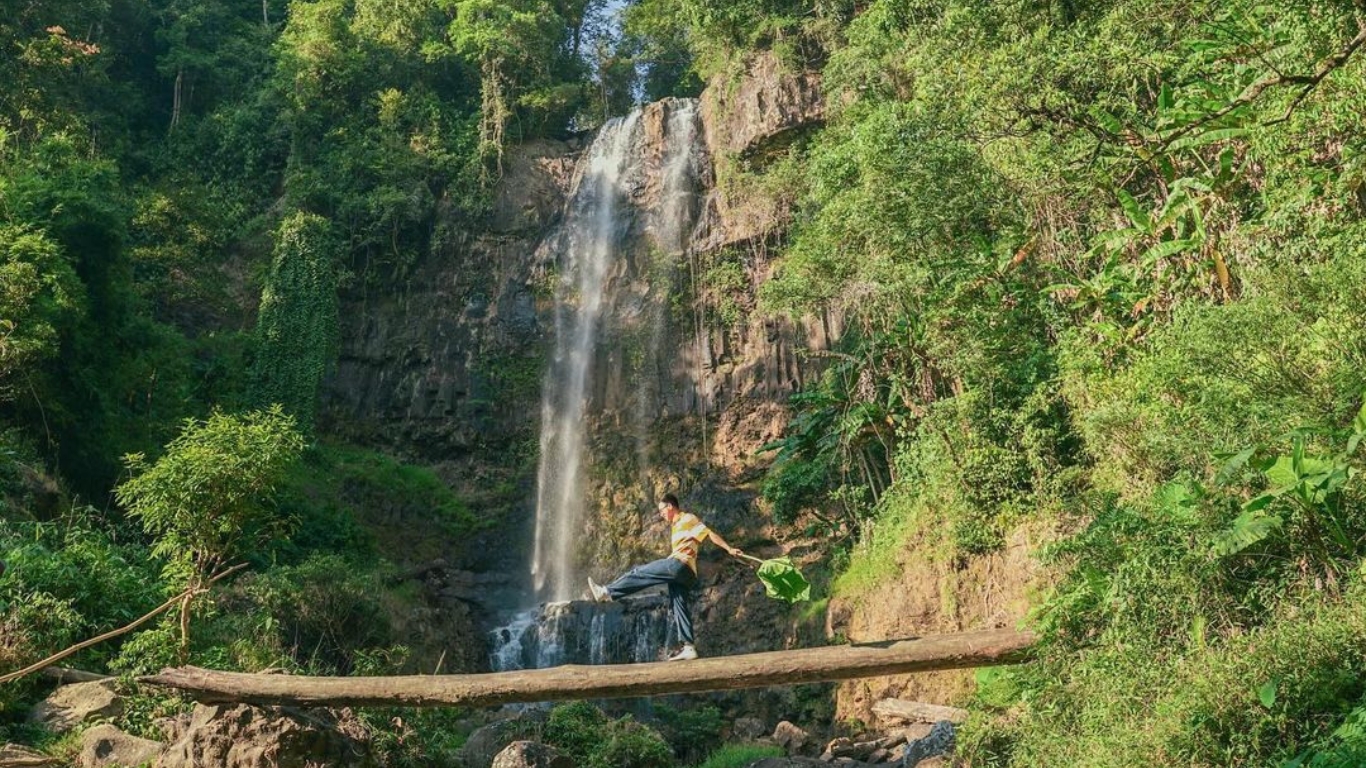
x=629 y=744
x=576 y=729
x=205 y=499
x=1253 y=699
x=366 y=504
x=692 y=732
x=739 y=755
x=322 y=614
x=581 y=731
x=415 y=738
x=66 y=581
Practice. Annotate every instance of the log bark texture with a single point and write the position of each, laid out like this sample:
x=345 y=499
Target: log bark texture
x=756 y=670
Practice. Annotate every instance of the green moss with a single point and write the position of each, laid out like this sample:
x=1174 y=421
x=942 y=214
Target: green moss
x=362 y=502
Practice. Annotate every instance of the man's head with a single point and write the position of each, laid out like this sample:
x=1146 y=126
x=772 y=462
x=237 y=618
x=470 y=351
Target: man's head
x=668 y=507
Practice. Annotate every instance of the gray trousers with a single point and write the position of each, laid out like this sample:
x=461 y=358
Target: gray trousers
x=671 y=571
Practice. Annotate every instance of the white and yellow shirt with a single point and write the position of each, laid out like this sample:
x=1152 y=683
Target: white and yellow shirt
x=685 y=536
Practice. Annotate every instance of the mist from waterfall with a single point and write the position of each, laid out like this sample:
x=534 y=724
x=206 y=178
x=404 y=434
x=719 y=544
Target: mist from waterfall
x=617 y=172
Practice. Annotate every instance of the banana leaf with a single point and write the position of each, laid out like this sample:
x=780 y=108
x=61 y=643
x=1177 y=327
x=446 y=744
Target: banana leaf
x=782 y=580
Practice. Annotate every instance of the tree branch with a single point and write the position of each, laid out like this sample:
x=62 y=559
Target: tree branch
x=1254 y=91
x=1327 y=65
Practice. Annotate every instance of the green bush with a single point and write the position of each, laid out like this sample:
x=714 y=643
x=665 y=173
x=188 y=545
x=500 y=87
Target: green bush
x=576 y=729
x=322 y=614
x=692 y=732
x=581 y=731
x=1253 y=699
x=415 y=738
x=739 y=755
x=629 y=744
x=66 y=581
x=368 y=505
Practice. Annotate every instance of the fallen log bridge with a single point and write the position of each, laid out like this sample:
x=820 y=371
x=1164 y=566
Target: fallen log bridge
x=755 y=670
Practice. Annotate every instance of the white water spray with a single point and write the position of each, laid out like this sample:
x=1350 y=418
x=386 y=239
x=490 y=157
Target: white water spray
x=615 y=172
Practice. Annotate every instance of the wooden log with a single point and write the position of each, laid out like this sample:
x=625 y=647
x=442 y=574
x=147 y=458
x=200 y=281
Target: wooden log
x=757 y=670
x=14 y=756
x=64 y=675
x=902 y=711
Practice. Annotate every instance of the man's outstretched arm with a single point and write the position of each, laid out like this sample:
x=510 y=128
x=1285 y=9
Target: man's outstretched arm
x=720 y=542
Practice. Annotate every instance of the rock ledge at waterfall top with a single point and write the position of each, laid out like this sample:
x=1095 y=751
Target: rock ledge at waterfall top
x=764 y=107
x=752 y=119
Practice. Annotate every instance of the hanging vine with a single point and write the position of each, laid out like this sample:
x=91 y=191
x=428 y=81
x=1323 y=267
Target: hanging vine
x=297 y=323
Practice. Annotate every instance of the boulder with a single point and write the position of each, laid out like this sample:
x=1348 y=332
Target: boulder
x=939 y=741
x=242 y=736
x=531 y=754
x=836 y=748
x=851 y=749
x=748 y=729
x=792 y=739
x=105 y=745
x=15 y=756
x=893 y=711
x=487 y=742
x=72 y=705
x=789 y=762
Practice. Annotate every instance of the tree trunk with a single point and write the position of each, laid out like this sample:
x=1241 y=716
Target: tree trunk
x=175 y=100
x=757 y=670
x=185 y=625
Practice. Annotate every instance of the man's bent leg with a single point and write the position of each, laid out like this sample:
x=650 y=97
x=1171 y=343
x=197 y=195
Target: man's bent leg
x=645 y=576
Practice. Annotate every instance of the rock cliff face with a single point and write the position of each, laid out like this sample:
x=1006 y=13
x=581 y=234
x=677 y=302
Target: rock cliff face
x=935 y=595
x=444 y=364
x=749 y=121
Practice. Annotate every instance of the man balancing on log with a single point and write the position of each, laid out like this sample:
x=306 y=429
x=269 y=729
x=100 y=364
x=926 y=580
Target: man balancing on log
x=678 y=570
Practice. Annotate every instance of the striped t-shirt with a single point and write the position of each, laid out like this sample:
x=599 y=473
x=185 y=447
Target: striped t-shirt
x=685 y=535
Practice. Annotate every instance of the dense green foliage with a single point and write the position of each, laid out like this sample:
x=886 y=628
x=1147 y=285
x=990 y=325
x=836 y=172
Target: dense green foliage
x=297 y=324
x=1102 y=263
x=1101 y=266
x=581 y=731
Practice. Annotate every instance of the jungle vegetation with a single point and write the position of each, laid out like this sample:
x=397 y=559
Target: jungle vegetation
x=1104 y=265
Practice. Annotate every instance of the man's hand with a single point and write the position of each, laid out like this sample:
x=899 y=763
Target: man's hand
x=736 y=552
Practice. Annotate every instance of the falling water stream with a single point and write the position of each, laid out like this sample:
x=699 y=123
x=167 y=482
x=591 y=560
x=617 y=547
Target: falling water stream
x=589 y=248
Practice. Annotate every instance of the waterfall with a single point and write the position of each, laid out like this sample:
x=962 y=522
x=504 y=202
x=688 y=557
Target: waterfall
x=628 y=632
x=621 y=177
x=630 y=215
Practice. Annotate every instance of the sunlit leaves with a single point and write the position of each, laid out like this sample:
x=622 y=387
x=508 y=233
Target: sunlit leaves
x=205 y=499
x=39 y=295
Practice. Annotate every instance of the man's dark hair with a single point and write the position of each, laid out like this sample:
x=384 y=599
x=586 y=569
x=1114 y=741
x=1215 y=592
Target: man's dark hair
x=671 y=500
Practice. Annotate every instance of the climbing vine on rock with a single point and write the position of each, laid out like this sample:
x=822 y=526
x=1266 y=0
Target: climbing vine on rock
x=297 y=325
